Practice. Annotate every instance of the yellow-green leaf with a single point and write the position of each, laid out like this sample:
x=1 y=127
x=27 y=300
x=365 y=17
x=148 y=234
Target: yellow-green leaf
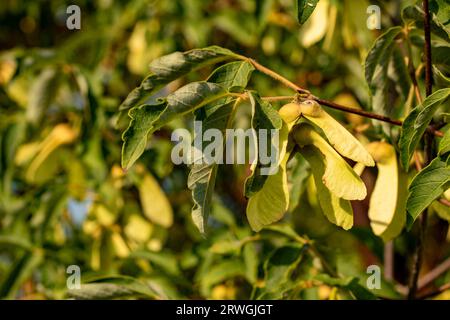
x=154 y=202
x=120 y=247
x=60 y=135
x=342 y=140
x=338 y=211
x=138 y=229
x=338 y=176
x=387 y=211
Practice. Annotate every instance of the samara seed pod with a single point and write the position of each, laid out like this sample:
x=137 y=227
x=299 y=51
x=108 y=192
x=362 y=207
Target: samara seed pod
x=338 y=211
x=447 y=194
x=341 y=140
x=290 y=112
x=387 y=211
x=311 y=108
x=338 y=176
x=381 y=152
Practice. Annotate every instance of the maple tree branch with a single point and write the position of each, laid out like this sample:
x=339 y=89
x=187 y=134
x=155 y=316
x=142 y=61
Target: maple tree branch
x=418 y=254
x=327 y=103
x=434 y=274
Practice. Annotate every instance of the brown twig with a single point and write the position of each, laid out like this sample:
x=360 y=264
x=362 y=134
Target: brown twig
x=371 y=115
x=358 y=112
x=327 y=103
x=418 y=254
x=434 y=274
x=389 y=260
x=417 y=258
x=428 y=68
x=278 y=98
x=441 y=289
x=417 y=162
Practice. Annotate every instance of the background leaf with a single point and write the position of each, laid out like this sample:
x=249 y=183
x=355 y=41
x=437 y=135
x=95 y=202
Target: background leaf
x=154 y=202
x=376 y=72
x=304 y=9
x=42 y=93
x=112 y=288
x=444 y=145
x=416 y=123
x=426 y=186
x=416 y=14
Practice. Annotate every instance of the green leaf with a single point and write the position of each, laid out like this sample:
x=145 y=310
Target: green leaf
x=54 y=207
x=239 y=29
x=202 y=177
x=264 y=117
x=379 y=54
x=164 y=260
x=348 y=283
x=427 y=186
x=416 y=123
x=298 y=177
x=376 y=72
x=222 y=271
x=233 y=76
x=441 y=9
x=304 y=9
x=250 y=255
x=146 y=119
x=416 y=14
x=217 y=115
x=262 y=11
x=441 y=80
x=141 y=125
x=12 y=137
x=441 y=55
x=15 y=241
x=112 y=288
x=441 y=210
x=270 y=203
x=189 y=98
x=170 y=67
x=42 y=93
x=444 y=145
x=280 y=265
x=20 y=272
x=400 y=74
x=283 y=230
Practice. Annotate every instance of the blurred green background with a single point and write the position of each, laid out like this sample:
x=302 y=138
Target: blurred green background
x=64 y=199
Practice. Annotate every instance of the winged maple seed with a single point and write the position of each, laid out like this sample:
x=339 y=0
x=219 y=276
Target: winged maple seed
x=387 y=209
x=336 y=181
